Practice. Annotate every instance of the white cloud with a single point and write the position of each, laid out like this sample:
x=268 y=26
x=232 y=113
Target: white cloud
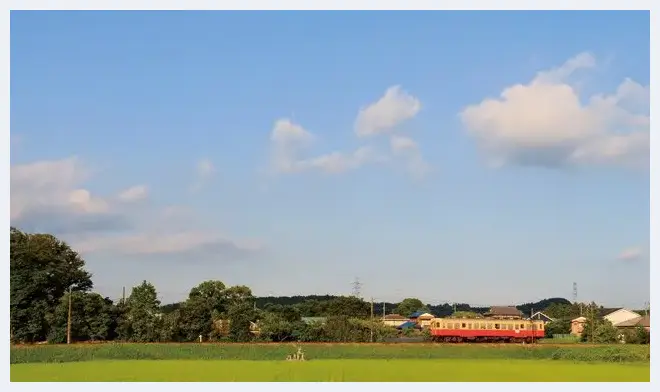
x=630 y=254
x=205 y=168
x=339 y=162
x=544 y=122
x=393 y=108
x=134 y=193
x=289 y=140
x=406 y=148
x=204 y=171
x=49 y=196
x=54 y=185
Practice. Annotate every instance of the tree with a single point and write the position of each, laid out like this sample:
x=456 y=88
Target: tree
x=563 y=311
x=240 y=315
x=42 y=269
x=409 y=306
x=273 y=327
x=142 y=318
x=637 y=335
x=92 y=318
x=206 y=302
x=557 y=327
x=348 y=307
x=605 y=333
x=289 y=313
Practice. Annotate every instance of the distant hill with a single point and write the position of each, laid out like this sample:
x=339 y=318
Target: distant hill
x=309 y=305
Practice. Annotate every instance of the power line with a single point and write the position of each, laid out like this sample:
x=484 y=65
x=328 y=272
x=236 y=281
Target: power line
x=357 y=287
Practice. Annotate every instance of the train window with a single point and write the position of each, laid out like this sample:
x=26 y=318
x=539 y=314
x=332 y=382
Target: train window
x=497 y=326
x=540 y=326
x=522 y=326
x=482 y=325
x=470 y=326
x=463 y=325
x=489 y=326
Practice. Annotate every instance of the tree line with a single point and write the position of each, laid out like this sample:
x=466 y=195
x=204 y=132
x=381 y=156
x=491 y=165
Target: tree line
x=52 y=300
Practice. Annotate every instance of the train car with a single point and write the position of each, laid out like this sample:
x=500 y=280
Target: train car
x=486 y=330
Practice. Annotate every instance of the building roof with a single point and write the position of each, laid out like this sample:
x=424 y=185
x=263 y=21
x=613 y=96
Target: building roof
x=641 y=321
x=504 y=311
x=540 y=315
x=426 y=316
x=606 y=311
x=408 y=324
x=394 y=316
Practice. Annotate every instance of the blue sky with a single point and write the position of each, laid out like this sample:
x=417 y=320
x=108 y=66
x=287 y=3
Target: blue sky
x=481 y=157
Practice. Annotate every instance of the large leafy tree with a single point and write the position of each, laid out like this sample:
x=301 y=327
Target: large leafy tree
x=409 y=306
x=42 y=269
x=205 y=303
x=141 y=319
x=92 y=318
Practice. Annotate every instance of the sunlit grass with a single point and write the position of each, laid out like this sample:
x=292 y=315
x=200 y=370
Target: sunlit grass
x=331 y=370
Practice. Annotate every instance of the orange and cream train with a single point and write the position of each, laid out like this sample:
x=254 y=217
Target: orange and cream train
x=485 y=330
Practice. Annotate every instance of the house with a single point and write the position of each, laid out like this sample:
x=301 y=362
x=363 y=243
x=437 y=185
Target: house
x=577 y=325
x=424 y=319
x=616 y=316
x=541 y=316
x=641 y=321
x=394 y=320
x=504 y=312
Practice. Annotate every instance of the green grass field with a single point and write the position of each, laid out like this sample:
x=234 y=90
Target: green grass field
x=331 y=370
x=277 y=352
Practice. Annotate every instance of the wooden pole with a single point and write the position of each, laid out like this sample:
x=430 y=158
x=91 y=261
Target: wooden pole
x=68 y=322
x=372 y=321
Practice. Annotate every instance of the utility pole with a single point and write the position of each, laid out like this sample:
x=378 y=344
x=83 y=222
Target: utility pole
x=372 y=321
x=591 y=322
x=383 y=309
x=123 y=295
x=68 y=321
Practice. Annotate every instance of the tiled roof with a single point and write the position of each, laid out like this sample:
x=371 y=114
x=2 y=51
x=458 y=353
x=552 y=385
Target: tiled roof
x=394 y=316
x=504 y=311
x=642 y=321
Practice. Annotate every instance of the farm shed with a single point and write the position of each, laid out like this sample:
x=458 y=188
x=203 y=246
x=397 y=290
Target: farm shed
x=394 y=320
